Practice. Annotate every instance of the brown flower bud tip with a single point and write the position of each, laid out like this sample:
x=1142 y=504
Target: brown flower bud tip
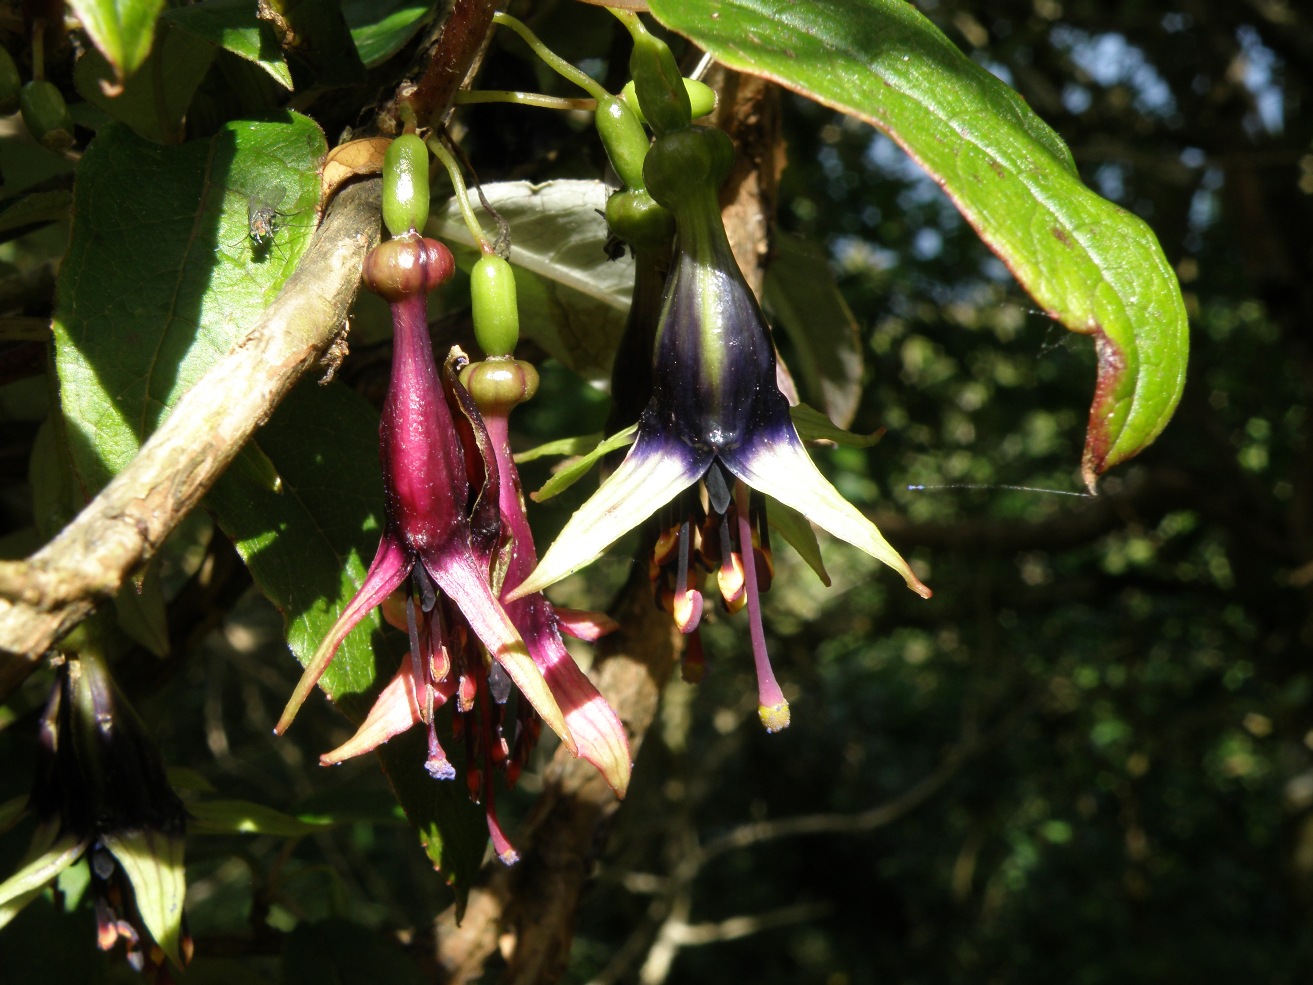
x=407 y=267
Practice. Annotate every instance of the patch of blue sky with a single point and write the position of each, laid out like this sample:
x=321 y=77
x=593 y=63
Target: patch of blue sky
x=1109 y=60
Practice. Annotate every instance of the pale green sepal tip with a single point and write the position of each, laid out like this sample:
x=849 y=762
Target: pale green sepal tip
x=152 y=861
x=785 y=472
x=638 y=488
x=23 y=886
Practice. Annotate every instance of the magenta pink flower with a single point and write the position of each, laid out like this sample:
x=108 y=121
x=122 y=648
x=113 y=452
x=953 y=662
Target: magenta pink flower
x=444 y=533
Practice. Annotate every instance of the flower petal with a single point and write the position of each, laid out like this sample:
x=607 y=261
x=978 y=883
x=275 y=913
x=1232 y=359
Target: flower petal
x=593 y=723
x=457 y=574
x=778 y=465
x=396 y=710
x=584 y=624
x=390 y=568
x=653 y=473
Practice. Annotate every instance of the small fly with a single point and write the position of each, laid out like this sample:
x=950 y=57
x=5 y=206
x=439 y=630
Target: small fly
x=262 y=217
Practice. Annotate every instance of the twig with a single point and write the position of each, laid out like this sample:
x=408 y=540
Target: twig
x=46 y=595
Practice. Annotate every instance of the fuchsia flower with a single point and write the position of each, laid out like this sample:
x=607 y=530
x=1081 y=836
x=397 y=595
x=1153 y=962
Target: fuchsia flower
x=444 y=532
x=715 y=436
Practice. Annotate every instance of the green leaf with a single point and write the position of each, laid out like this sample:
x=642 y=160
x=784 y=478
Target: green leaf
x=139 y=605
x=123 y=30
x=31 y=208
x=572 y=299
x=245 y=817
x=381 y=28
x=156 y=287
x=797 y=530
x=812 y=425
x=579 y=445
x=154 y=100
x=152 y=861
x=20 y=888
x=1093 y=266
x=234 y=26
x=574 y=470
x=308 y=543
x=803 y=299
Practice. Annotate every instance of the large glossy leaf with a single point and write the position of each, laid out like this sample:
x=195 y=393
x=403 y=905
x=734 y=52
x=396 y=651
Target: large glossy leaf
x=1093 y=266
x=572 y=298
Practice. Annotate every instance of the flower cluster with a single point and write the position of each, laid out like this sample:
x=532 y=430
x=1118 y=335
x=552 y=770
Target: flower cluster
x=448 y=541
x=716 y=440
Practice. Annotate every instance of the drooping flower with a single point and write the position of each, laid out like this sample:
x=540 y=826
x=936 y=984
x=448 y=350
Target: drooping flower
x=101 y=793
x=716 y=434
x=443 y=533
x=497 y=385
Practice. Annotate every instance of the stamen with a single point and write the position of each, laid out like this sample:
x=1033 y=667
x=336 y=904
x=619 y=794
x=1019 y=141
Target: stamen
x=772 y=707
x=500 y=843
x=437 y=764
x=687 y=604
x=417 y=661
x=730 y=576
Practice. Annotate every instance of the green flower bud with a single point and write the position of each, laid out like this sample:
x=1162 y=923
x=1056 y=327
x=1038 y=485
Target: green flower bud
x=623 y=137
x=659 y=85
x=701 y=98
x=492 y=302
x=499 y=383
x=638 y=220
x=406 y=185
x=46 y=116
x=10 y=83
x=687 y=163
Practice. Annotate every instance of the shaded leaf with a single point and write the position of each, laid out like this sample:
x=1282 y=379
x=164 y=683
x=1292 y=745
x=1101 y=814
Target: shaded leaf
x=245 y=817
x=154 y=100
x=34 y=207
x=122 y=30
x=316 y=41
x=803 y=299
x=234 y=26
x=1093 y=266
x=812 y=425
x=381 y=28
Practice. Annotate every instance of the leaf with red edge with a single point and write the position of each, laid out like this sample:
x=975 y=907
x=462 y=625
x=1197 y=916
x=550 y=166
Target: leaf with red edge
x=1094 y=267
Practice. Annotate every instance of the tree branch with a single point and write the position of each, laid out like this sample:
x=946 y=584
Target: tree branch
x=45 y=596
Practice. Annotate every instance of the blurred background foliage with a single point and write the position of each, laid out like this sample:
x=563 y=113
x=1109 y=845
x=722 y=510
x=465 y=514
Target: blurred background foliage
x=1088 y=759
